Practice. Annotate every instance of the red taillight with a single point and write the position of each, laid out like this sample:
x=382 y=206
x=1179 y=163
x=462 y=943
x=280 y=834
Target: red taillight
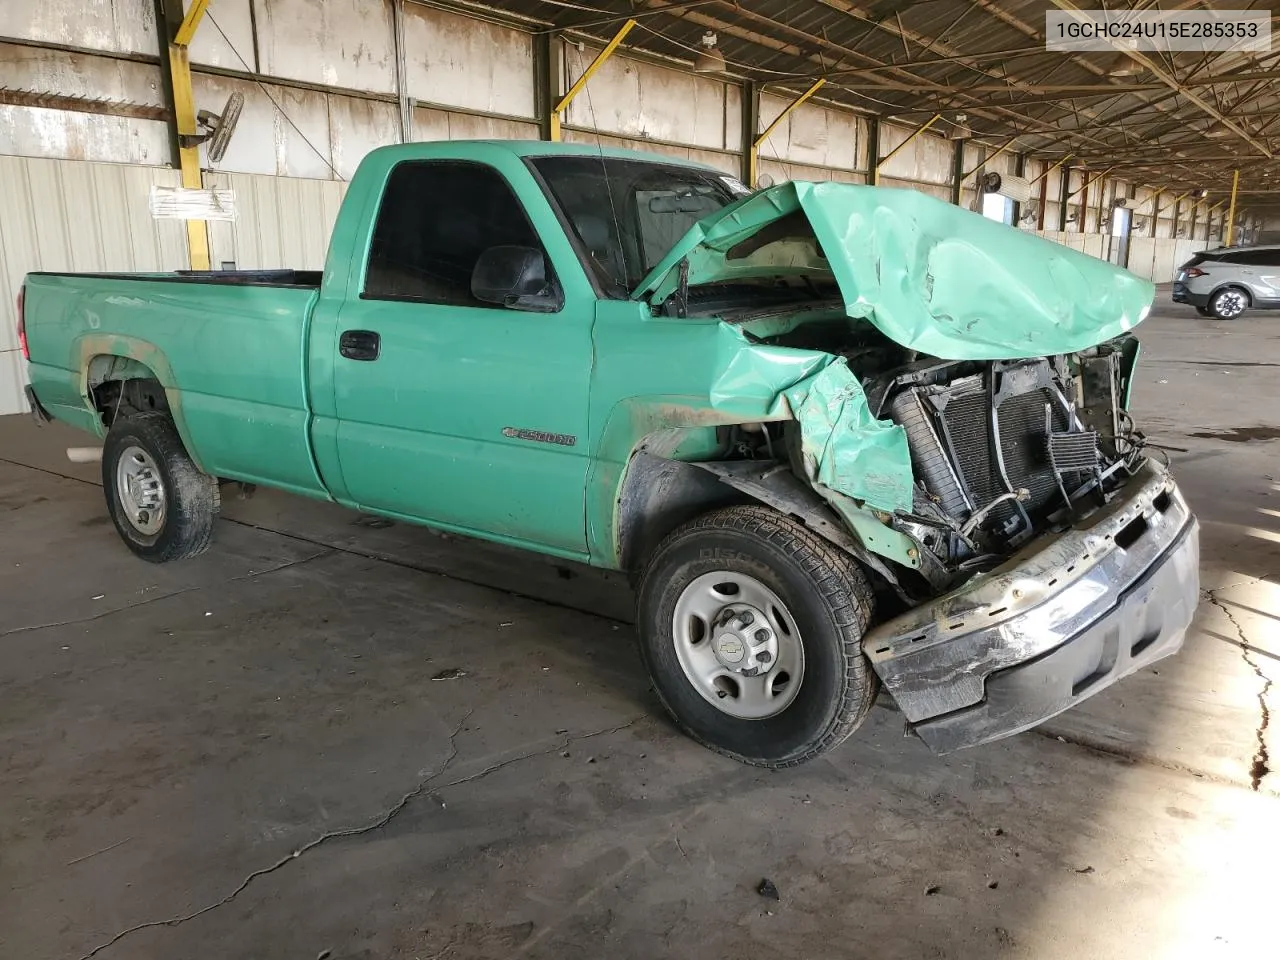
x=1193 y=272
x=22 y=324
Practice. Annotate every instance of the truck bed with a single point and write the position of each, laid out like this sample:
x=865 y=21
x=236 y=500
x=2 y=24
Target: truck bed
x=228 y=346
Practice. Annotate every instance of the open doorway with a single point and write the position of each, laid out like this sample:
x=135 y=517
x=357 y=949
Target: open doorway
x=997 y=207
x=1118 y=241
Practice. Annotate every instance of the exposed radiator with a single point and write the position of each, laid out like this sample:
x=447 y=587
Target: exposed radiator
x=1024 y=441
x=949 y=430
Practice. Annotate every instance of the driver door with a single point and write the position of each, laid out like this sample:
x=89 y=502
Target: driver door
x=452 y=411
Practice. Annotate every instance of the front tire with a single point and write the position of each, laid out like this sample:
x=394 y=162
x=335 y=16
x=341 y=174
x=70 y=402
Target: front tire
x=1228 y=303
x=163 y=507
x=751 y=629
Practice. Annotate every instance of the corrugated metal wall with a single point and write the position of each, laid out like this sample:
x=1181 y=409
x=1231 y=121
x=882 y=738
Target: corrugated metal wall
x=813 y=142
x=281 y=222
x=72 y=215
x=642 y=106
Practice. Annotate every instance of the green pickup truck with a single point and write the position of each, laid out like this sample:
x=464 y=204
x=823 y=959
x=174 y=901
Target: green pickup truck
x=844 y=438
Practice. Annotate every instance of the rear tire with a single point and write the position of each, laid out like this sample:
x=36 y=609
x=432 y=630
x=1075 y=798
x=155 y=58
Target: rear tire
x=163 y=507
x=1229 y=303
x=789 y=685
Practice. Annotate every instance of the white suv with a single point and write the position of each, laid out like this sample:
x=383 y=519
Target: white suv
x=1223 y=283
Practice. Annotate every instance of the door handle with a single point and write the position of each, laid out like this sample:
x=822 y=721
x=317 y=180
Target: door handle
x=360 y=344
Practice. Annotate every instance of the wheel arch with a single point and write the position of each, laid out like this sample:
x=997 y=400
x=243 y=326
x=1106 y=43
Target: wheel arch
x=116 y=369
x=660 y=494
x=657 y=496
x=1231 y=285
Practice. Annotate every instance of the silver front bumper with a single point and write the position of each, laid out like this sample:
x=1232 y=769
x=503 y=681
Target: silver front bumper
x=1066 y=617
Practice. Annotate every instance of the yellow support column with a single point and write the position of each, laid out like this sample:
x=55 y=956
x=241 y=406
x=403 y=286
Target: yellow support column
x=184 y=114
x=558 y=110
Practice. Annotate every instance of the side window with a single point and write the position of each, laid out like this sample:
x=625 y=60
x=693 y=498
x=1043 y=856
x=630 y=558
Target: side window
x=436 y=219
x=1259 y=258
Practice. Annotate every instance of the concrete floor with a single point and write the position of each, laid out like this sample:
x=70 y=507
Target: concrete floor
x=246 y=755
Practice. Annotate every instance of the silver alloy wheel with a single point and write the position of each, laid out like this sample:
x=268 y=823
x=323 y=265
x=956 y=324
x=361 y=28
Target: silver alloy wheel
x=738 y=645
x=1229 y=303
x=141 y=492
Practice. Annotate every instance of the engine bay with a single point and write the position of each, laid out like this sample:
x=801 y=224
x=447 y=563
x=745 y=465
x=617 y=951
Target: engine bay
x=1001 y=450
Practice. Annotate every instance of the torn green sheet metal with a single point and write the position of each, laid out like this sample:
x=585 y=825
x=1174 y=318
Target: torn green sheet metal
x=753 y=378
x=844 y=447
x=929 y=275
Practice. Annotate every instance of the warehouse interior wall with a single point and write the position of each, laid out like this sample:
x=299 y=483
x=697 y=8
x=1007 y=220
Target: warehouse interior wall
x=59 y=215
x=325 y=83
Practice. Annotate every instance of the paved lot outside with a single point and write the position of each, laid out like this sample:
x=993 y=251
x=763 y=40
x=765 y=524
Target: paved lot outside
x=251 y=755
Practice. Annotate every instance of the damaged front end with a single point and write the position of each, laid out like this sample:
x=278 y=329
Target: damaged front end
x=1004 y=450
x=967 y=423
x=1034 y=552
x=1073 y=557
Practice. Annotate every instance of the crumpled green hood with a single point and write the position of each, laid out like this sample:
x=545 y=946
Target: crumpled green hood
x=928 y=274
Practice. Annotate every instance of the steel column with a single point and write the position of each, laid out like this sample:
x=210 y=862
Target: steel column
x=1044 y=201
x=1088 y=183
x=753 y=153
x=1064 y=181
x=547 y=78
x=1156 y=208
x=557 y=112
x=957 y=171
x=1209 y=222
x=1231 y=211
x=896 y=150
x=873 y=150
x=1019 y=170
x=1049 y=170
x=402 y=81
x=991 y=156
x=750 y=98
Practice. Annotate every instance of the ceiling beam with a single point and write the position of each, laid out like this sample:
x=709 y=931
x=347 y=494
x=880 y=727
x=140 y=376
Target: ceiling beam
x=1010 y=120
x=1027 y=30
x=1173 y=84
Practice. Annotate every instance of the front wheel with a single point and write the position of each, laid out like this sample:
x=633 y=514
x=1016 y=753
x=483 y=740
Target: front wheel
x=162 y=505
x=751 y=629
x=1229 y=303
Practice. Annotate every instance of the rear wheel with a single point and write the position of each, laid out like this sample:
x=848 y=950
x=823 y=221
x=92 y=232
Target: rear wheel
x=751 y=629
x=162 y=505
x=1228 y=303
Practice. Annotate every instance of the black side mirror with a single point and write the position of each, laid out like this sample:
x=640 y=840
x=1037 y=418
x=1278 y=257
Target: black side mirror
x=514 y=277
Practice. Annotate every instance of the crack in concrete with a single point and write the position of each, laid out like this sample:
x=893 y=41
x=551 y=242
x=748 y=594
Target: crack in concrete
x=376 y=824
x=164 y=596
x=1261 y=765
x=97 y=616
x=1247 y=581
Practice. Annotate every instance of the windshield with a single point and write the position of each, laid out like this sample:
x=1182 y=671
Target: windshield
x=626 y=214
